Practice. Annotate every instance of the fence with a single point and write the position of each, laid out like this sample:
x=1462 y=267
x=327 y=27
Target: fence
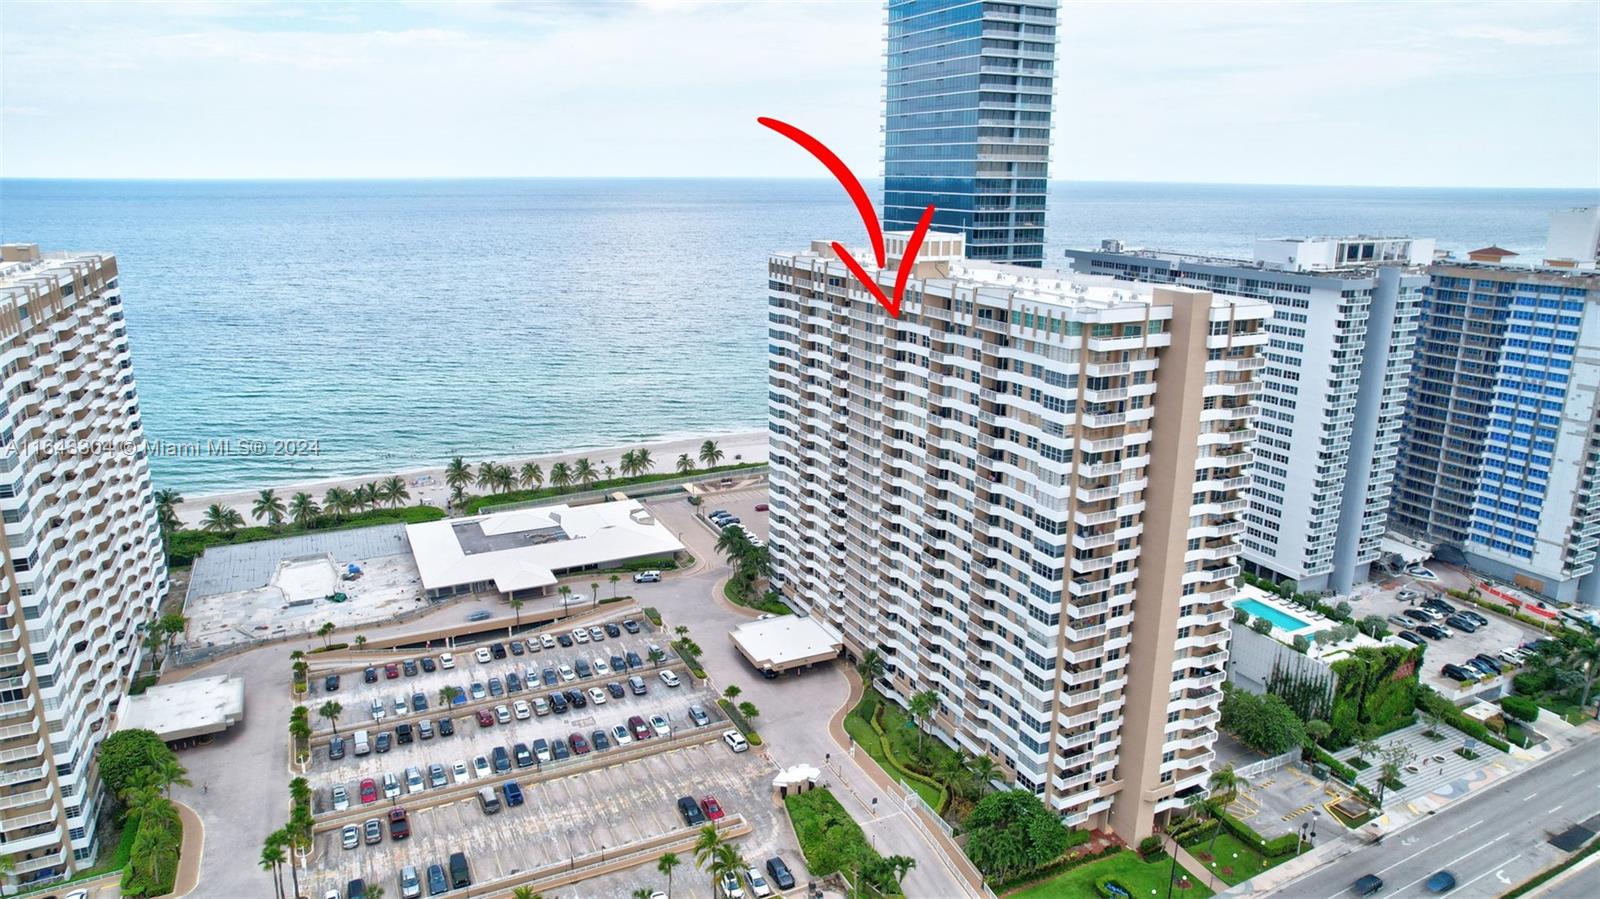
x=913 y=798
x=1266 y=766
x=651 y=488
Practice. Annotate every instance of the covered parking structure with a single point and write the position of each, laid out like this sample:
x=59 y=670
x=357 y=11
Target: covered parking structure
x=786 y=642
x=186 y=709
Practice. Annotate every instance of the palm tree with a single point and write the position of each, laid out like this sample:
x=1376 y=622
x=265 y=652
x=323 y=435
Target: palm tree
x=528 y=893
x=220 y=519
x=872 y=666
x=709 y=454
x=532 y=475
x=984 y=771
x=922 y=706
x=447 y=695
x=361 y=640
x=560 y=476
x=338 y=501
x=749 y=711
x=166 y=516
x=685 y=464
x=629 y=463
x=458 y=474
x=583 y=471
x=516 y=606
x=1225 y=784
x=642 y=463
x=303 y=509
x=325 y=632
x=705 y=852
x=272 y=858
x=901 y=865
x=394 y=490
x=594 y=593
x=1201 y=804
x=614 y=578
x=731 y=692
x=504 y=479
x=727 y=860
x=374 y=891
x=170 y=774
x=486 y=473
x=331 y=710
x=566 y=596
x=268 y=505
x=643 y=893
x=665 y=865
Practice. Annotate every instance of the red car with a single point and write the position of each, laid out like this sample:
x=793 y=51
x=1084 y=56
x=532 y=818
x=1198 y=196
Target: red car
x=641 y=731
x=391 y=671
x=712 y=808
x=485 y=718
x=761 y=507
x=369 y=790
x=400 y=828
x=579 y=744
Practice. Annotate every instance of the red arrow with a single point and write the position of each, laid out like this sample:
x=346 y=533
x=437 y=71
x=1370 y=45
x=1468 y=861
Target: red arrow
x=869 y=217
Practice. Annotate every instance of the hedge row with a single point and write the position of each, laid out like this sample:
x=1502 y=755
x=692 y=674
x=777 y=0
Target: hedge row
x=474 y=504
x=186 y=545
x=1056 y=868
x=888 y=750
x=1520 y=707
x=1447 y=711
x=1269 y=849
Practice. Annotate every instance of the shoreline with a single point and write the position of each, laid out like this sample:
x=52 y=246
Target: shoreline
x=749 y=446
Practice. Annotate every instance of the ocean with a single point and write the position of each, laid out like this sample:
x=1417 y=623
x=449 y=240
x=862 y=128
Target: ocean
x=394 y=324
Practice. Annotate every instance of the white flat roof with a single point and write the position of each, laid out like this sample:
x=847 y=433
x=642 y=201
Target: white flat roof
x=1412 y=552
x=786 y=641
x=191 y=708
x=523 y=549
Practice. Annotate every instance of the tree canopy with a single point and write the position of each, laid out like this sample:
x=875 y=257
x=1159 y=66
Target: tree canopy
x=1011 y=831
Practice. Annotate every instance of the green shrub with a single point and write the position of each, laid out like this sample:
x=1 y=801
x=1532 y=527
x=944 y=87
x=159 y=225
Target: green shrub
x=651 y=613
x=1520 y=708
x=830 y=839
x=1532 y=683
x=473 y=505
x=152 y=867
x=126 y=754
x=1150 y=847
x=186 y=545
x=1452 y=716
x=1056 y=868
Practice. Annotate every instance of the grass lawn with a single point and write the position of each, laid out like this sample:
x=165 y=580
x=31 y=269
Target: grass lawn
x=830 y=839
x=1235 y=862
x=1139 y=877
x=859 y=725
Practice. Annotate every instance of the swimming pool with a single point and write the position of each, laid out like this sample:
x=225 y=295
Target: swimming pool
x=1281 y=620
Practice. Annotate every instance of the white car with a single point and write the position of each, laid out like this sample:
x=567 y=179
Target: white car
x=502 y=714
x=379 y=710
x=1421 y=574
x=414 y=782
x=735 y=741
x=597 y=696
x=483 y=655
x=597 y=633
x=647 y=577
x=533 y=644
x=391 y=786
x=758 y=884
x=669 y=678
x=580 y=634
x=658 y=723
x=547 y=641
x=620 y=735
x=458 y=772
x=601 y=668
x=480 y=766
x=521 y=710
x=730 y=886
x=341 y=798
x=447 y=660
x=567 y=673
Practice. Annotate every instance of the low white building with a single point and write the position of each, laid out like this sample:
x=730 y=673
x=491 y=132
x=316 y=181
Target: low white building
x=186 y=709
x=523 y=553
x=787 y=641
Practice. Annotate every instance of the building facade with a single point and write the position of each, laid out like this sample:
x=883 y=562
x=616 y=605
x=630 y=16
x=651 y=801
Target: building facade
x=1333 y=389
x=83 y=569
x=1025 y=493
x=1501 y=454
x=968 y=102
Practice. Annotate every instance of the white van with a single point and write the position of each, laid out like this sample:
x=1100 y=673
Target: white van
x=363 y=745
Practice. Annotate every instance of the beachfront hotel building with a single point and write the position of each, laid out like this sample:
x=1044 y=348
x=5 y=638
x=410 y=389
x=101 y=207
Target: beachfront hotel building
x=968 y=105
x=82 y=569
x=1025 y=493
x=1333 y=389
x=1500 y=460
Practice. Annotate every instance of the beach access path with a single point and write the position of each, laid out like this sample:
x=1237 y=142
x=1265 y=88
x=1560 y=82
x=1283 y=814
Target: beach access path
x=741 y=446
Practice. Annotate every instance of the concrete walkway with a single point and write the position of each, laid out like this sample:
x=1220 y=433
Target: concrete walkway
x=192 y=854
x=1193 y=865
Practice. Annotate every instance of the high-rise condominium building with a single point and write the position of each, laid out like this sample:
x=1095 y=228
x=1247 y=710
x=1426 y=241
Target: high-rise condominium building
x=1025 y=493
x=83 y=568
x=967 y=121
x=1501 y=453
x=1333 y=399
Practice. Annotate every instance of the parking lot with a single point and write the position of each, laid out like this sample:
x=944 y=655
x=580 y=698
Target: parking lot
x=743 y=506
x=564 y=817
x=1499 y=634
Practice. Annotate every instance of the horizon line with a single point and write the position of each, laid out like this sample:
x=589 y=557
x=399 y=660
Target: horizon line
x=470 y=178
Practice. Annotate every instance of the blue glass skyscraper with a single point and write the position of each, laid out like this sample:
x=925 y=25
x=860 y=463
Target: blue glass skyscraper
x=967 y=121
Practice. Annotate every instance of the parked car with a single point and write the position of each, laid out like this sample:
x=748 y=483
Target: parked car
x=516 y=648
x=502 y=760
x=496 y=688
x=522 y=756
x=1456 y=672
x=600 y=740
x=391 y=786
x=402 y=733
x=410 y=883
x=350 y=836
x=1402 y=621
x=476 y=691
x=447 y=661
x=541 y=749
x=597 y=696
x=458 y=773
x=637 y=685
x=583 y=668
x=498 y=650
x=414 y=781
x=436 y=881
x=513 y=683
x=630 y=625
x=513 y=792
x=331 y=683
x=729 y=886
x=601 y=669
x=634 y=661
x=1462 y=623
x=382 y=742
x=480 y=615
x=1412 y=637
x=580 y=634
x=559 y=750
x=1433 y=632
x=558 y=703
x=502 y=714
x=698 y=715
x=712 y=808
x=460 y=876
x=482 y=655
x=690 y=810
x=1421 y=615
x=579 y=744
x=372 y=831
x=399 y=827
x=480 y=767
x=612 y=630
x=647 y=577
x=409 y=667
x=547 y=641
x=425 y=729
x=521 y=710
x=596 y=634
x=758 y=884
x=780 y=873
x=658 y=723
x=548 y=677
x=615 y=689
x=341 y=798
x=485 y=718
x=567 y=673
x=1475 y=616
x=436 y=776
x=564 y=639
x=368 y=790
x=336 y=748
x=669 y=678
x=370 y=675
x=735 y=741
x=576 y=699
x=541 y=706
x=391 y=671
x=429 y=665
x=447 y=727
x=641 y=731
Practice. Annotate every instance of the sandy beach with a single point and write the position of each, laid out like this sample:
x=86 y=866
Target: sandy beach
x=427 y=484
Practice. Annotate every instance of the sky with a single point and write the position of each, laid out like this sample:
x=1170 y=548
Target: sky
x=1403 y=93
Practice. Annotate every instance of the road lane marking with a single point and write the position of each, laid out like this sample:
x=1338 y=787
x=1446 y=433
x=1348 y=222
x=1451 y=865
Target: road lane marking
x=1498 y=870
x=1453 y=861
x=1529 y=796
x=1430 y=846
x=1557 y=809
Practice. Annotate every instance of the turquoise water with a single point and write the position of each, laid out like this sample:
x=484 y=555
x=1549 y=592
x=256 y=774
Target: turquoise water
x=1281 y=620
x=392 y=324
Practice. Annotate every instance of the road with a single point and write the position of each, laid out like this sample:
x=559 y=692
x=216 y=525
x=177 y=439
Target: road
x=1490 y=840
